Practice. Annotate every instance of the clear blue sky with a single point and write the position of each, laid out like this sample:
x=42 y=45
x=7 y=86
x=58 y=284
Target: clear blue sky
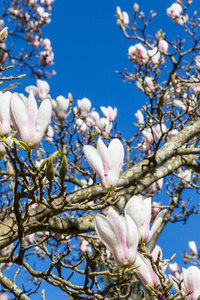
x=88 y=48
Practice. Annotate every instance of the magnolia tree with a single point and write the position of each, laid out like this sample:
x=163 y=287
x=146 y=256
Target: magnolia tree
x=78 y=201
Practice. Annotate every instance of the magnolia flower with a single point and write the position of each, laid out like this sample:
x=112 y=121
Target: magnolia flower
x=190 y=282
x=81 y=126
x=106 y=162
x=193 y=247
x=119 y=235
x=179 y=104
x=104 y=127
x=5 y=113
x=158 y=130
x=148 y=136
x=145 y=271
x=41 y=90
x=139 y=117
x=30 y=122
x=186 y=175
x=60 y=106
x=157 y=185
x=140 y=212
x=125 y=18
x=30 y=238
x=93 y=119
x=175 y=270
x=82 y=108
x=149 y=84
x=174 y=11
x=46 y=57
x=46 y=44
x=109 y=112
x=138 y=52
x=163 y=45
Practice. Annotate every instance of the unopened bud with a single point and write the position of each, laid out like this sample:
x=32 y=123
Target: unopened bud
x=70 y=97
x=64 y=167
x=142 y=15
x=53 y=156
x=136 y=7
x=10 y=169
x=3 y=34
x=49 y=172
x=119 y=12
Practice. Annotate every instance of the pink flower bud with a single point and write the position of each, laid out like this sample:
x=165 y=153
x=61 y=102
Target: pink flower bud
x=46 y=43
x=119 y=13
x=150 y=87
x=139 y=117
x=29 y=238
x=41 y=90
x=193 y=247
x=148 y=136
x=60 y=107
x=158 y=130
x=106 y=162
x=125 y=18
x=83 y=107
x=163 y=45
x=109 y=112
x=175 y=270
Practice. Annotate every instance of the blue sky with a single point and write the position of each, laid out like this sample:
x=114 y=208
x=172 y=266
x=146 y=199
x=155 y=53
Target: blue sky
x=89 y=47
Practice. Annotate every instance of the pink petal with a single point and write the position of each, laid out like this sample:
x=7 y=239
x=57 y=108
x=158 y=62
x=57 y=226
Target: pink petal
x=103 y=152
x=5 y=118
x=132 y=239
x=192 y=281
x=107 y=234
x=136 y=209
x=156 y=224
x=120 y=230
x=32 y=111
x=43 y=120
x=94 y=161
x=115 y=161
x=19 y=116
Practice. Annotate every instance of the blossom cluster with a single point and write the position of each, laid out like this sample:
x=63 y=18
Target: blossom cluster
x=30 y=17
x=86 y=119
x=122 y=235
